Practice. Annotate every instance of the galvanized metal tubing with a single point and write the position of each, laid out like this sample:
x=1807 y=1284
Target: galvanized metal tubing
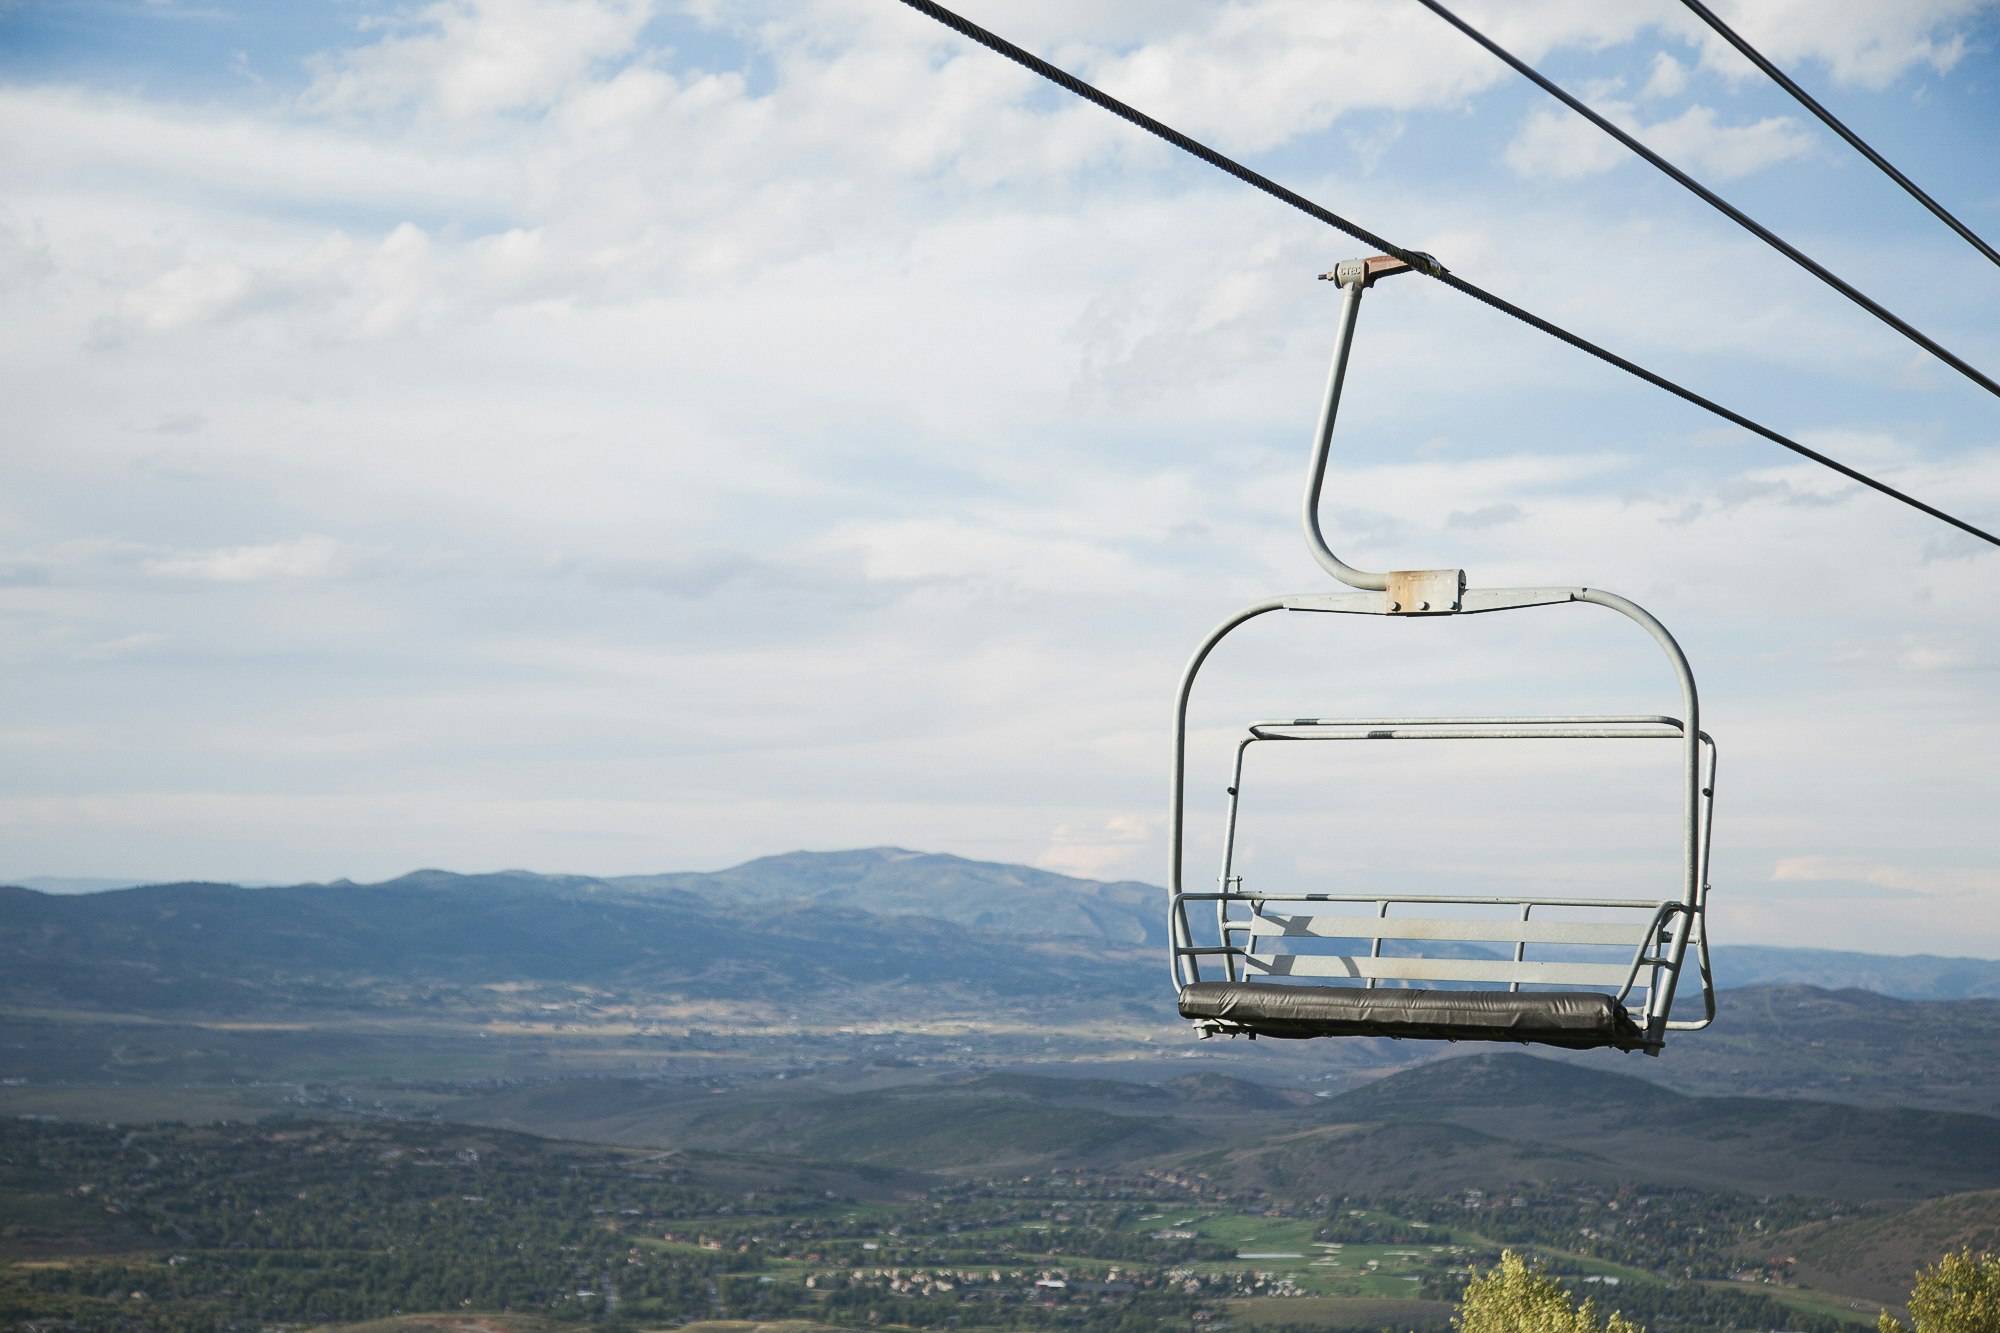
x=1684 y=916
x=1681 y=919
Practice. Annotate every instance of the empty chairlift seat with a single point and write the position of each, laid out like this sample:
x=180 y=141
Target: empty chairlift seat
x=1573 y=972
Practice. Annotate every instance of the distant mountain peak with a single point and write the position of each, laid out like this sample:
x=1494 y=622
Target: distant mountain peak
x=896 y=881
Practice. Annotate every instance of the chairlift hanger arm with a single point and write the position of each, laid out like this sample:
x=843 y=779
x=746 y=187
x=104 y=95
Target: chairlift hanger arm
x=1409 y=592
x=1336 y=377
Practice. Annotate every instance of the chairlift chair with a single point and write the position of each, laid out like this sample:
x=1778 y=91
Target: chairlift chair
x=1311 y=964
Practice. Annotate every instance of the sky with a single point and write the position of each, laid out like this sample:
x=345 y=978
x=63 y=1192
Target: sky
x=615 y=436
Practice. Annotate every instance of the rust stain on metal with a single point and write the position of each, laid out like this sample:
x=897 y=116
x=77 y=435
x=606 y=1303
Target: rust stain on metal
x=1426 y=592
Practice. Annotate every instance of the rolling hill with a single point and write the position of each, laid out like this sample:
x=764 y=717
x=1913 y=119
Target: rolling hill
x=981 y=1123
x=1650 y=1133
x=1874 y=1256
x=1844 y=1045
x=1490 y=1121
x=215 y=947
x=1908 y=976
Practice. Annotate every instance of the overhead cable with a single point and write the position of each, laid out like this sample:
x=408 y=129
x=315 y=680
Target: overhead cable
x=1806 y=100
x=1722 y=205
x=1415 y=258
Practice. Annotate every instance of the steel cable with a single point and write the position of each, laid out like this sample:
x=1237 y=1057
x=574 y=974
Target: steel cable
x=1859 y=144
x=1423 y=263
x=1721 y=205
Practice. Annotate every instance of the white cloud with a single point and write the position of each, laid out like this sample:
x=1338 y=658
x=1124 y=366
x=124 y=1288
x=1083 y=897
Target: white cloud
x=1933 y=657
x=466 y=60
x=120 y=647
x=312 y=556
x=1100 y=850
x=1922 y=881
x=1559 y=143
x=187 y=294
x=1860 y=41
x=1257 y=75
x=1556 y=142
x=1669 y=77
x=87 y=145
x=1695 y=141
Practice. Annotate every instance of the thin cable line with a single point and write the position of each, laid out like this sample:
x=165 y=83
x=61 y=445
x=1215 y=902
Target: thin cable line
x=1860 y=146
x=1423 y=263
x=1723 y=206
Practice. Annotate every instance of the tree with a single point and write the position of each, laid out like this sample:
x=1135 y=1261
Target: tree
x=1960 y=1295
x=1520 y=1297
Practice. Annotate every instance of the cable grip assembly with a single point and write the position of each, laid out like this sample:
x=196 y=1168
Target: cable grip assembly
x=1363 y=272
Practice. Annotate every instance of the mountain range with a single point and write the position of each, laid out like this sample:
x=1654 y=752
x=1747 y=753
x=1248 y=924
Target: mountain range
x=889 y=909
x=819 y=956
x=788 y=931
x=1494 y=1121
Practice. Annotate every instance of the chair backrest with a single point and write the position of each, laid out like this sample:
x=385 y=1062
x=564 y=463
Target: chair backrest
x=1602 y=944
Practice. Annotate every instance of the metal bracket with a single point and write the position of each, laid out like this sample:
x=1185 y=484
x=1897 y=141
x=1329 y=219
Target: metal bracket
x=1363 y=272
x=1470 y=602
x=1425 y=592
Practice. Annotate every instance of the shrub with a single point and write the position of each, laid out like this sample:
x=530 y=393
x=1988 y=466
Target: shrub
x=1960 y=1295
x=1519 y=1297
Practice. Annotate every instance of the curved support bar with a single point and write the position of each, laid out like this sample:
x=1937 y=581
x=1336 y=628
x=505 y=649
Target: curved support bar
x=1178 y=934
x=1701 y=916
x=1336 y=376
x=1661 y=1002
x=1633 y=611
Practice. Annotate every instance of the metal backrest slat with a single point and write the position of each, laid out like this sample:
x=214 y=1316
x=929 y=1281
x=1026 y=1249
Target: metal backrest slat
x=1495 y=970
x=1349 y=925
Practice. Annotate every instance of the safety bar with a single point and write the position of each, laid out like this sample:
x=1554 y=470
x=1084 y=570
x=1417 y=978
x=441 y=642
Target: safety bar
x=1468 y=728
x=1419 y=899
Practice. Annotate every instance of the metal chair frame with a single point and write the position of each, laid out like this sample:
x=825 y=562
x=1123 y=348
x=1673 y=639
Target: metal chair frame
x=1258 y=933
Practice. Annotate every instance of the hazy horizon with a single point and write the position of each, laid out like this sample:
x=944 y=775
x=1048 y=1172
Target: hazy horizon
x=76 y=886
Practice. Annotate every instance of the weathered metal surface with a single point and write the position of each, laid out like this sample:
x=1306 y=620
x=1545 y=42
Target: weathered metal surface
x=1425 y=592
x=1364 y=272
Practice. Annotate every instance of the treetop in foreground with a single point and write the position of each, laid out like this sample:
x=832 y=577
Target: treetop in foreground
x=1520 y=1297
x=1961 y=1294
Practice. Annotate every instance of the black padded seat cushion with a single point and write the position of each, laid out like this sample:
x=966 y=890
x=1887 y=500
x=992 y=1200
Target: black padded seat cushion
x=1577 y=1019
